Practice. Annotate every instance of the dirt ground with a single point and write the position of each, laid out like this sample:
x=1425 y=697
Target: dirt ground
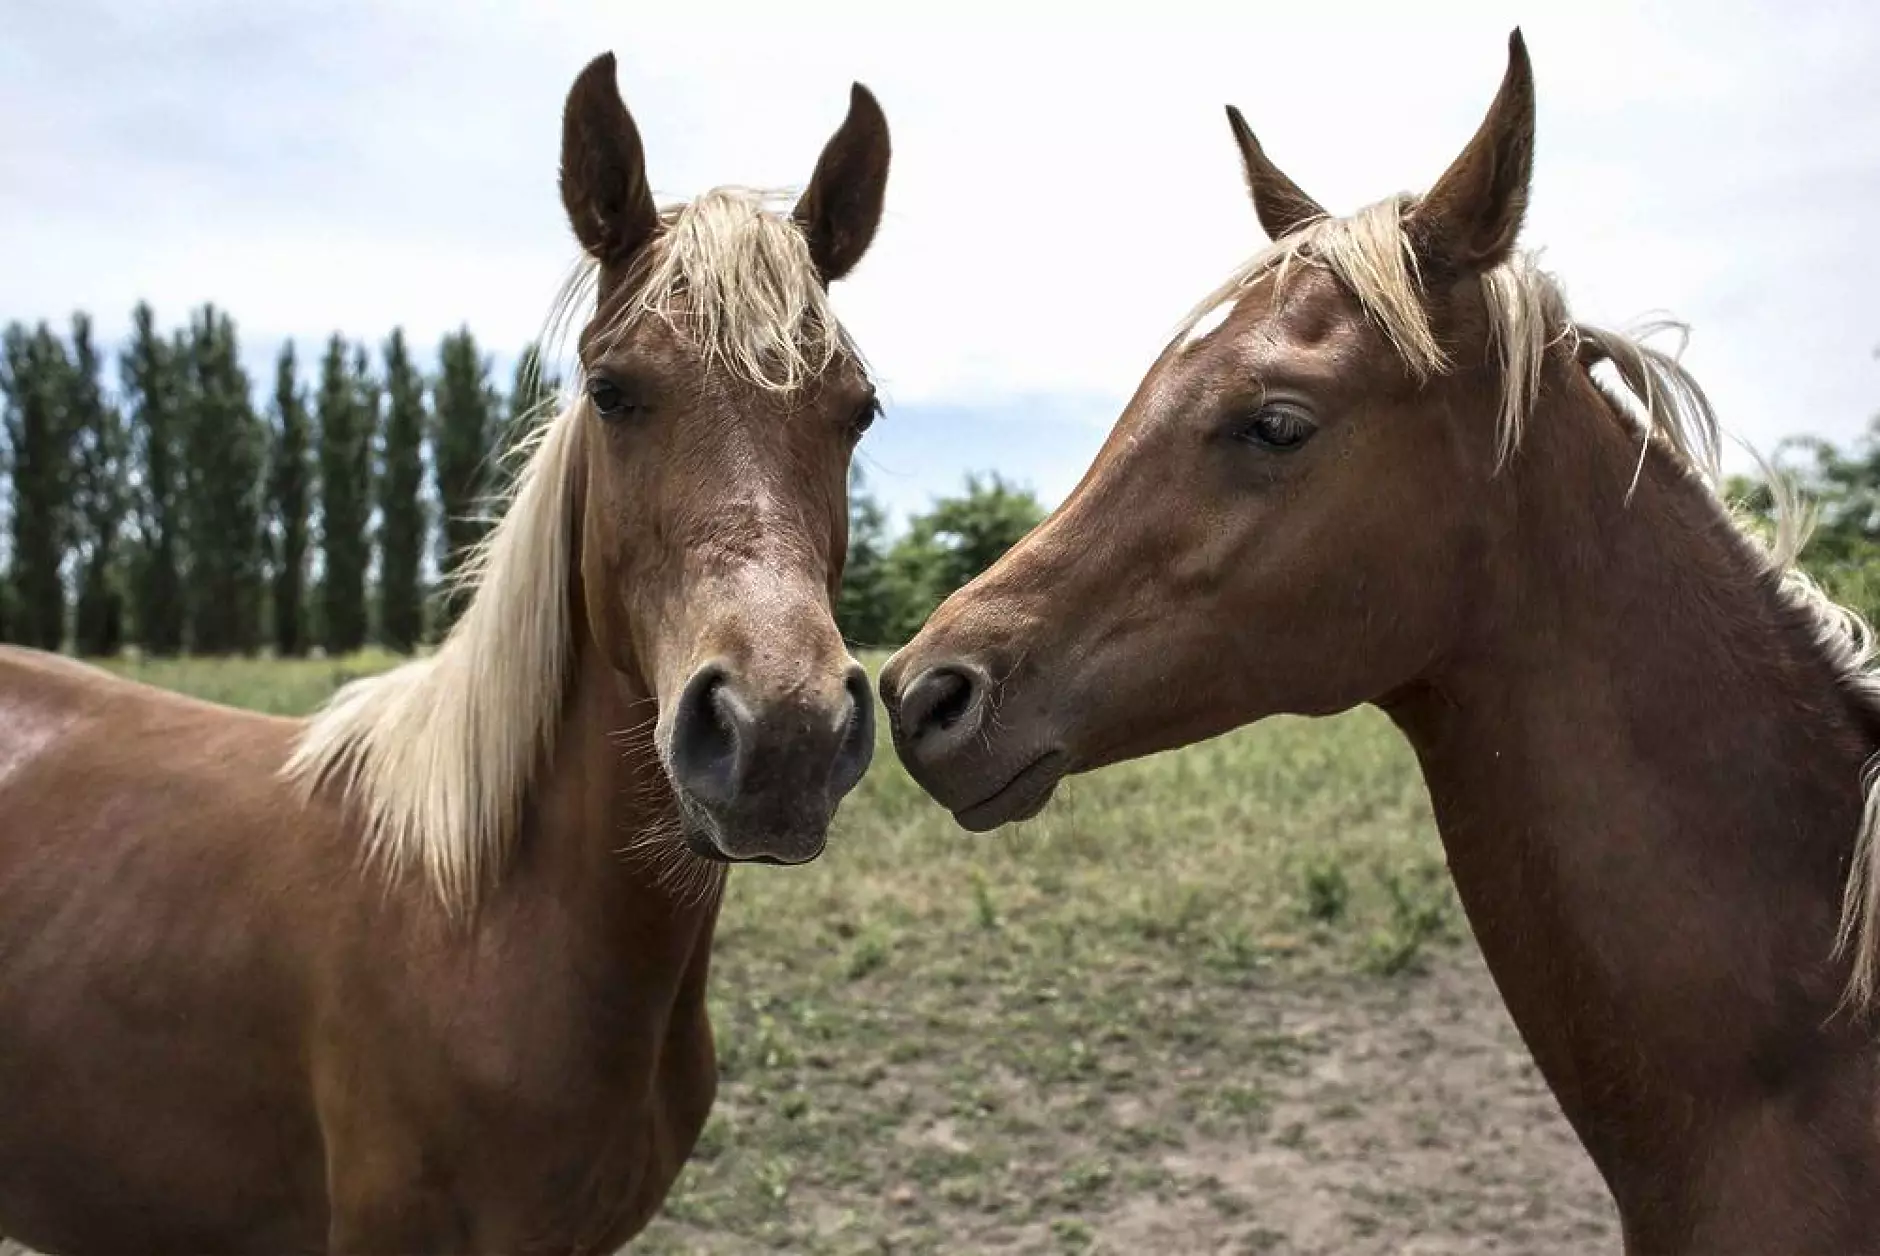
x=1399 y=1116
x=1413 y=1123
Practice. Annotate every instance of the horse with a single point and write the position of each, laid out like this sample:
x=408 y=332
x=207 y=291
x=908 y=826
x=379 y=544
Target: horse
x=426 y=972
x=1381 y=464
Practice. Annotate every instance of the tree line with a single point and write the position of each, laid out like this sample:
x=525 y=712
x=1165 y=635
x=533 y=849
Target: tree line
x=170 y=508
x=164 y=506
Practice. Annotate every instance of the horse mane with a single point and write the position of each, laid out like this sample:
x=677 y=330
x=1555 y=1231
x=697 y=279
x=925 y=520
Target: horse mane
x=735 y=278
x=1371 y=254
x=440 y=753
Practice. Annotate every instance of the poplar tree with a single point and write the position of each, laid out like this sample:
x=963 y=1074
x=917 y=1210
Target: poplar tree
x=288 y=506
x=226 y=446
x=464 y=435
x=401 y=505
x=345 y=469
x=97 y=498
x=149 y=381
x=35 y=378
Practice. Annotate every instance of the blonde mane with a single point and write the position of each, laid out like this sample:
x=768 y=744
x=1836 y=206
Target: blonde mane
x=1370 y=253
x=439 y=755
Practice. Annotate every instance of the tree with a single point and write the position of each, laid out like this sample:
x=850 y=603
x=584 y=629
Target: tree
x=1841 y=488
x=222 y=482
x=35 y=376
x=98 y=497
x=152 y=390
x=955 y=541
x=401 y=504
x=288 y=506
x=865 y=609
x=464 y=430
x=371 y=394
x=345 y=474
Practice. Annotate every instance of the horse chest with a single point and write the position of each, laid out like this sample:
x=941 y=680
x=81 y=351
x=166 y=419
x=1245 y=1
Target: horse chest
x=565 y=1137
x=599 y=1168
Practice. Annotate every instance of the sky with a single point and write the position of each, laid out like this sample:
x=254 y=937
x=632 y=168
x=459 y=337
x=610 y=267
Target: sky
x=1064 y=184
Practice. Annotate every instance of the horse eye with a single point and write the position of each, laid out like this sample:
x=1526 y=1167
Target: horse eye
x=865 y=417
x=1279 y=428
x=609 y=401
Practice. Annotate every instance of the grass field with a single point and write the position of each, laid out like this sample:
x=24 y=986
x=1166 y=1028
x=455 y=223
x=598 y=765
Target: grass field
x=1219 y=1000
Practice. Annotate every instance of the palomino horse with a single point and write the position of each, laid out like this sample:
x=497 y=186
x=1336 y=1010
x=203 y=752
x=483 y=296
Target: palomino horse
x=1376 y=467
x=220 y=1033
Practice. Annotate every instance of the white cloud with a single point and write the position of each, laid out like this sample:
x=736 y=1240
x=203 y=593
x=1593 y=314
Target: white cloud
x=1064 y=185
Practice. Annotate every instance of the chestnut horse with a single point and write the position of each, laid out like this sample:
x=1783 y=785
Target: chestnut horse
x=1377 y=467
x=427 y=972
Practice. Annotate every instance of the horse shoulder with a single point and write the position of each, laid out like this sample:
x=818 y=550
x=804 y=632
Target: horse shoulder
x=118 y=799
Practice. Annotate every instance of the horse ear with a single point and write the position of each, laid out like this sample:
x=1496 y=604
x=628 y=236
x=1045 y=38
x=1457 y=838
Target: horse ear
x=841 y=207
x=603 y=168
x=1281 y=206
x=1468 y=222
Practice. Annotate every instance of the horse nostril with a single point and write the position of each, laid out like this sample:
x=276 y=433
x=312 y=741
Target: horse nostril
x=858 y=734
x=942 y=700
x=711 y=732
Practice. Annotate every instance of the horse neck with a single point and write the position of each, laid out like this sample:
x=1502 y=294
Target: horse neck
x=600 y=844
x=1646 y=776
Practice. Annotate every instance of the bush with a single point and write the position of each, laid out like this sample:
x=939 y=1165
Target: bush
x=889 y=590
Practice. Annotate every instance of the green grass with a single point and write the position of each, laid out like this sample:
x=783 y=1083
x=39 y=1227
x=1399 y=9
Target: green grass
x=277 y=686
x=930 y=1039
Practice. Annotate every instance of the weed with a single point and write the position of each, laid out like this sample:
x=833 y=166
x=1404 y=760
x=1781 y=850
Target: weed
x=1327 y=891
